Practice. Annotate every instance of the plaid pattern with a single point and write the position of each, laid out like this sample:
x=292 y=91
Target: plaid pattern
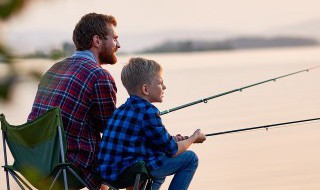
x=86 y=95
x=134 y=132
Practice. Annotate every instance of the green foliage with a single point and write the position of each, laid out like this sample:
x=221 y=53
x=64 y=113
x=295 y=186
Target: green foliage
x=5 y=57
x=35 y=74
x=6 y=84
x=66 y=50
x=56 y=54
x=9 y=7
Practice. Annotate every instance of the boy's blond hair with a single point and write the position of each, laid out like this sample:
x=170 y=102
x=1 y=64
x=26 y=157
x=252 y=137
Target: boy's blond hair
x=137 y=72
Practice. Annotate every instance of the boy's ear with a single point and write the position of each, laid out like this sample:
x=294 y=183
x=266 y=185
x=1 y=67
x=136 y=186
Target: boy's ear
x=144 y=89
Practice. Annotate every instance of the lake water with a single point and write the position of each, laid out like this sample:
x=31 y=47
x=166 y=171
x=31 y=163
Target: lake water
x=285 y=158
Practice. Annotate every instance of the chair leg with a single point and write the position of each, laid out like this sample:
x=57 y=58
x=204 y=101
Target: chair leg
x=62 y=159
x=5 y=158
x=64 y=170
x=77 y=176
x=20 y=179
x=136 y=183
x=143 y=185
x=55 y=179
x=13 y=174
x=7 y=180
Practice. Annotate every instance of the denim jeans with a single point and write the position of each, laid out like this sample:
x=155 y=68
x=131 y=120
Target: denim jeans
x=182 y=167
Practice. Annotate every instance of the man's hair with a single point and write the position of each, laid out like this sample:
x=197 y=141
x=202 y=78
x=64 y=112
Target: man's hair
x=137 y=72
x=89 y=25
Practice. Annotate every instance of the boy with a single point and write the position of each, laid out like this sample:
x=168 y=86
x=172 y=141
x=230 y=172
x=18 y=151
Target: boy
x=135 y=132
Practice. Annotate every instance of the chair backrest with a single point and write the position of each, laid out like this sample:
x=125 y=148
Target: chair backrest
x=35 y=146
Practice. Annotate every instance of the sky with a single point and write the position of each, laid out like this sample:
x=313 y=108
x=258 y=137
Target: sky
x=144 y=22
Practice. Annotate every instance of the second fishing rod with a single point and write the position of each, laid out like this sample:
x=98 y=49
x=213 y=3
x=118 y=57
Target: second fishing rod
x=205 y=100
x=288 y=123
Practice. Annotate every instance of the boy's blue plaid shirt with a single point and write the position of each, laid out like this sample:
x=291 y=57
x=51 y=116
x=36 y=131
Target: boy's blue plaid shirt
x=134 y=132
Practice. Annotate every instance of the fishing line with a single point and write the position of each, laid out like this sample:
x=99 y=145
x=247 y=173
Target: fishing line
x=267 y=127
x=205 y=100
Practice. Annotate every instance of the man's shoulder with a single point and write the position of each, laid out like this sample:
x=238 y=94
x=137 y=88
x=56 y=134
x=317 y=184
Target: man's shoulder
x=85 y=65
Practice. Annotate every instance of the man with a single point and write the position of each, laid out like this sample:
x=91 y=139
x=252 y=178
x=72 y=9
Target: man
x=84 y=91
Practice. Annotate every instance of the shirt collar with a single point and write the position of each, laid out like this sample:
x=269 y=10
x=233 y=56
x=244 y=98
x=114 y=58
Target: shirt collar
x=138 y=99
x=86 y=54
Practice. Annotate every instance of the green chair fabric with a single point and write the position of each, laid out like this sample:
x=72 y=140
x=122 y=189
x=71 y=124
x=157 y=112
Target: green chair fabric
x=38 y=149
x=132 y=176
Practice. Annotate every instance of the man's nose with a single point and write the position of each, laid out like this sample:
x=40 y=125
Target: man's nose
x=118 y=44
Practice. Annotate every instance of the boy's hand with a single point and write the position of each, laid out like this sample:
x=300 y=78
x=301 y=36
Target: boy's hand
x=199 y=136
x=179 y=137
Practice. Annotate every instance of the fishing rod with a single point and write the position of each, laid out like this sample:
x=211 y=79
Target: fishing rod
x=262 y=127
x=205 y=100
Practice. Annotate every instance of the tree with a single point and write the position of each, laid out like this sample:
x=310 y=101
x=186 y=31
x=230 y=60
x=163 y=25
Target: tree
x=8 y=9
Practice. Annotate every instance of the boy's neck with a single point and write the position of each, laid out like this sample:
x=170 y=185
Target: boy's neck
x=141 y=96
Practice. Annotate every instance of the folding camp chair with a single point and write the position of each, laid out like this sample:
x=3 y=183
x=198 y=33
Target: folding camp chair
x=38 y=149
x=136 y=175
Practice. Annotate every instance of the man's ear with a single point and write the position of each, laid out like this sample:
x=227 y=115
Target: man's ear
x=96 y=41
x=144 y=89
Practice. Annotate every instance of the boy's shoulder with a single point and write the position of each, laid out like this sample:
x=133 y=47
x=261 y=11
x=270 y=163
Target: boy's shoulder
x=139 y=105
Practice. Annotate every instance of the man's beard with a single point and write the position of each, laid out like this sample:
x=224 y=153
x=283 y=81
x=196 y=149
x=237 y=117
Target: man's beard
x=108 y=59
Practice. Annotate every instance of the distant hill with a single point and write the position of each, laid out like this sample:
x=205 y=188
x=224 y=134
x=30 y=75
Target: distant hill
x=230 y=44
x=299 y=34
x=140 y=41
x=310 y=28
x=264 y=42
x=196 y=39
